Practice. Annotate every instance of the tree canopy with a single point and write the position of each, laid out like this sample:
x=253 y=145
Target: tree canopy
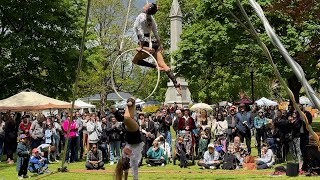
x=39 y=46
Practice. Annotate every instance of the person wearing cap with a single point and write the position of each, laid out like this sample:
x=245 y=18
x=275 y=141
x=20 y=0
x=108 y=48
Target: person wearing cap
x=244 y=123
x=210 y=158
x=37 y=163
x=23 y=157
x=259 y=124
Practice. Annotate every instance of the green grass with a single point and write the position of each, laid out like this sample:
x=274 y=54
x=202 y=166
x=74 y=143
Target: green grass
x=169 y=172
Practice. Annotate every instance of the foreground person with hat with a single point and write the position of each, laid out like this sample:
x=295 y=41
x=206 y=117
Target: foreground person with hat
x=37 y=163
x=210 y=158
x=23 y=157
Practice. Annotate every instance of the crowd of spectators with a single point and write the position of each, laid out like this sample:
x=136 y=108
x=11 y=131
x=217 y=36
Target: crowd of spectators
x=217 y=139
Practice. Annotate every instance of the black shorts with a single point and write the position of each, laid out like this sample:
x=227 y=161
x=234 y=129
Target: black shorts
x=133 y=137
x=155 y=45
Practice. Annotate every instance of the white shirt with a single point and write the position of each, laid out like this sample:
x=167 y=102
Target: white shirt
x=141 y=27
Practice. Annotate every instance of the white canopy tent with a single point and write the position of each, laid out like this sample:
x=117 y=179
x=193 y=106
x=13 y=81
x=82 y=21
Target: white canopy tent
x=305 y=100
x=83 y=105
x=26 y=101
x=123 y=103
x=266 y=102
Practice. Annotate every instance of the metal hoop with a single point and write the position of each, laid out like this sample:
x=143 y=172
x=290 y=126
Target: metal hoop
x=114 y=65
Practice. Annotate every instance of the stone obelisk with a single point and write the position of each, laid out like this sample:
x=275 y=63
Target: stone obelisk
x=175 y=32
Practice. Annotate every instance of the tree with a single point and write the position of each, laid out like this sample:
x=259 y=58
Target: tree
x=38 y=46
x=215 y=44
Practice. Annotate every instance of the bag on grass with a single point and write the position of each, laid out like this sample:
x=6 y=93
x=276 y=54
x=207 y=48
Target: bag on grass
x=230 y=162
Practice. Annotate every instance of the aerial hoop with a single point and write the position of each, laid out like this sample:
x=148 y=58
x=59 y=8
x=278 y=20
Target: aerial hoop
x=116 y=63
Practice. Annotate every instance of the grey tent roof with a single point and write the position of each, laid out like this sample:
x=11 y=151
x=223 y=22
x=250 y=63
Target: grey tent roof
x=110 y=97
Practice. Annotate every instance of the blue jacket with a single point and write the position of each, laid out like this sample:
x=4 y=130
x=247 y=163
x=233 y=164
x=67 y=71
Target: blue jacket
x=244 y=122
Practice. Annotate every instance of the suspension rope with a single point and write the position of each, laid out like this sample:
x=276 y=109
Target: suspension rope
x=75 y=90
x=125 y=27
x=253 y=32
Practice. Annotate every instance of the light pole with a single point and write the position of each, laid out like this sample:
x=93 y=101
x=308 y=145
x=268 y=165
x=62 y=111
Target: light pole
x=251 y=69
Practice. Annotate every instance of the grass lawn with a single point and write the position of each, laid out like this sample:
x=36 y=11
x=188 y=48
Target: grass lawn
x=168 y=172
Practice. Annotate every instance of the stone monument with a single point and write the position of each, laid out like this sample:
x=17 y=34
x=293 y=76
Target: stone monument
x=175 y=32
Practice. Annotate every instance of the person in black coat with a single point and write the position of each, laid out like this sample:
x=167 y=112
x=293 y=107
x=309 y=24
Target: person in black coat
x=115 y=130
x=11 y=134
x=295 y=125
x=148 y=132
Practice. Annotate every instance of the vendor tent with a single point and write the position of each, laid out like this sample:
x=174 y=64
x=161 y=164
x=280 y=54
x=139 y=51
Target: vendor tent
x=266 y=102
x=82 y=105
x=26 y=101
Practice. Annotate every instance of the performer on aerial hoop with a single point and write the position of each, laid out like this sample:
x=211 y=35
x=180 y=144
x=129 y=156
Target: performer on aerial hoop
x=143 y=26
x=132 y=152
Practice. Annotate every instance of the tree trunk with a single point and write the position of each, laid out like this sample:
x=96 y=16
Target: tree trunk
x=295 y=86
x=102 y=102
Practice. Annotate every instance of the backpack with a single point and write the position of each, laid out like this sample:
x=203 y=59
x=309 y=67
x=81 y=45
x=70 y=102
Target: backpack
x=229 y=162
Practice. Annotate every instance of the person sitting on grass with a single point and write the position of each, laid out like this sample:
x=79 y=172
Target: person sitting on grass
x=181 y=152
x=267 y=159
x=37 y=163
x=23 y=157
x=239 y=150
x=165 y=146
x=210 y=158
x=94 y=159
x=156 y=155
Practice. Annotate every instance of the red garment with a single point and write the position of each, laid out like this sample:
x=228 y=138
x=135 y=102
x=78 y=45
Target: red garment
x=182 y=123
x=23 y=127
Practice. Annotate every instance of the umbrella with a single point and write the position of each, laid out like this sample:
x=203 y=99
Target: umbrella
x=244 y=101
x=224 y=103
x=199 y=106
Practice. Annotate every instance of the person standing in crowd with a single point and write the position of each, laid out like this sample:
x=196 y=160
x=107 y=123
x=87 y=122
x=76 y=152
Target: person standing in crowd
x=56 y=137
x=2 y=136
x=220 y=131
x=23 y=157
x=10 y=138
x=147 y=130
x=116 y=114
x=295 y=125
x=104 y=139
x=244 y=124
x=185 y=123
x=203 y=119
x=25 y=125
x=231 y=119
x=260 y=125
x=94 y=159
x=79 y=135
x=114 y=129
x=37 y=131
x=165 y=125
x=304 y=135
x=93 y=129
x=85 y=140
x=72 y=142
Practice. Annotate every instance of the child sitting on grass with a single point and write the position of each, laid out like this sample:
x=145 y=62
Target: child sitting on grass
x=23 y=157
x=37 y=163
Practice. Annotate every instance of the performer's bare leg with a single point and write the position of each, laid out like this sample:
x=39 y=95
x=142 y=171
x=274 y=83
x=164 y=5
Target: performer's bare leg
x=130 y=123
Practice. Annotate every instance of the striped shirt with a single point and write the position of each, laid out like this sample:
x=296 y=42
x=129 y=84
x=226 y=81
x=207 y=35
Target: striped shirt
x=94 y=157
x=144 y=24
